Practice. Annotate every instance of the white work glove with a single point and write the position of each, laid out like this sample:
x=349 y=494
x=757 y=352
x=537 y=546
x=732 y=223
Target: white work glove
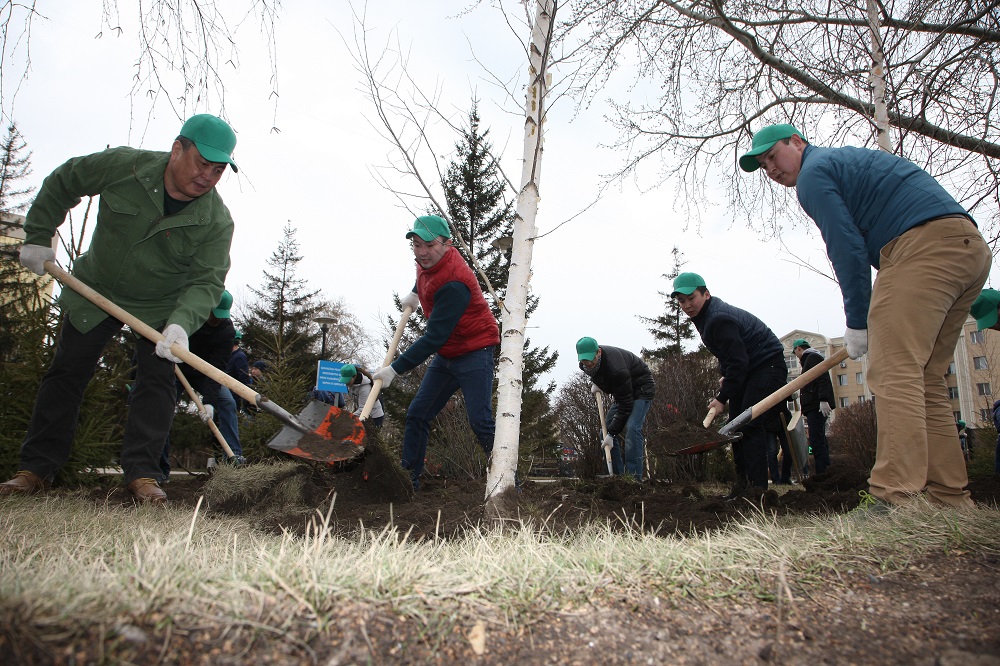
x=208 y=414
x=171 y=334
x=594 y=389
x=410 y=301
x=33 y=257
x=609 y=441
x=825 y=409
x=386 y=374
x=856 y=341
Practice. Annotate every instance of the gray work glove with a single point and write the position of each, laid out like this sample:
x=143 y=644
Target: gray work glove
x=594 y=389
x=386 y=374
x=208 y=414
x=825 y=408
x=856 y=341
x=33 y=257
x=410 y=301
x=609 y=441
x=171 y=334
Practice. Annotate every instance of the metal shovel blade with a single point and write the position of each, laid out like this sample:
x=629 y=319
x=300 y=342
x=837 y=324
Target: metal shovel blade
x=705 y=446
x=331 y=434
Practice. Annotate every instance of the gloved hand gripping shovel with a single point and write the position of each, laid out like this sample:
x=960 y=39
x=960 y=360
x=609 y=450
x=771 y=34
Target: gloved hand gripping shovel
x=377 y=384
x=604 y=432
x=338 y=436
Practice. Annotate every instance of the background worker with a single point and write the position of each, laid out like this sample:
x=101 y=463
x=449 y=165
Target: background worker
x=875 y=209
x=238 y=367
x=752 y=365
x=359 y=387
x=986 y=311
x=212 y=343
x=160 y=250
x=627 y=380
x=461 y=332
x=817 y=403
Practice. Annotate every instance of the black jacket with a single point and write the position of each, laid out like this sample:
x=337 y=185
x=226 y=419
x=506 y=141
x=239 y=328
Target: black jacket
x=626 y=378
x=818 y=390
x=212 y=344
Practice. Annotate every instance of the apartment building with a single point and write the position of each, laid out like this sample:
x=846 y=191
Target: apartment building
x=972 y=375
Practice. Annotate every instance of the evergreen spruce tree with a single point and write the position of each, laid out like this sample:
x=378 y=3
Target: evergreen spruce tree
x=672 y=328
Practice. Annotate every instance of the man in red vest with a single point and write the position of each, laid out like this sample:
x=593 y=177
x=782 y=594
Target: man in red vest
x=461 y=331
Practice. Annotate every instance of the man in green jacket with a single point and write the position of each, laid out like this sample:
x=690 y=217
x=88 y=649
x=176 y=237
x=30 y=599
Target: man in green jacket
x=160 y=250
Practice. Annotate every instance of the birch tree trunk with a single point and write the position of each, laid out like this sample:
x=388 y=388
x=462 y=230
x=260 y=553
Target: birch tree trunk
x=877 y=78
x=511 y=363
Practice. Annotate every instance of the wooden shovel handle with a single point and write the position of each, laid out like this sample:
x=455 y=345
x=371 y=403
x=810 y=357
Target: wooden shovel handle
x=389 y=355
x=712 y=413
x=201 y=408
x=150 y=333
x=600 y=413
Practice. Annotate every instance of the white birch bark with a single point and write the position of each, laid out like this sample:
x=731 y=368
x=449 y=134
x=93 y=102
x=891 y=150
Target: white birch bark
x=514 y=320
x=877 y=78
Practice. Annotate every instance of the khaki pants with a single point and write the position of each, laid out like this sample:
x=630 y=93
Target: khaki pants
x=928 y=279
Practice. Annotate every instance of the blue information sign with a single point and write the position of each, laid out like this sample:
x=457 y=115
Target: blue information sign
x=328 y=377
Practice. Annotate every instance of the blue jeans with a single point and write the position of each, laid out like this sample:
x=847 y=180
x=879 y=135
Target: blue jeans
x=473 y=374
x=635 y=445
x=780 y=472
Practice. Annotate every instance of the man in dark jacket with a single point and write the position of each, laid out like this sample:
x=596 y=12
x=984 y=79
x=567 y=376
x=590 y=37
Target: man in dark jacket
x=817 y=403
x=238 y=367
x=627 y=379
x=752 y=365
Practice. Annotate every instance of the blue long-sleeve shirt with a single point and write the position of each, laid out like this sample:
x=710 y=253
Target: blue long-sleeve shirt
x=450 y=302
x=862 y=199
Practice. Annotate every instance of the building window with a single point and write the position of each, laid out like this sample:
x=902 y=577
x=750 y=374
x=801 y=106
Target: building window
x=844 y=402
x=984 y=388
x=859 y=378
x=951 y=368
x=842 y=380
x=958 y=416
x=843 y=364
x=985 y=415
x=790 y=363
x=979 y=363
x=977 y=337
x=862 y=398
x=953 y=393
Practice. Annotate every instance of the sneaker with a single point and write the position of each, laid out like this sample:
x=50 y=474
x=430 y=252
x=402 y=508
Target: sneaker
x=870 y=506
x=24 y=483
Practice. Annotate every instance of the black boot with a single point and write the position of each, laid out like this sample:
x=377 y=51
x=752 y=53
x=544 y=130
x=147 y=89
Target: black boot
x=738 y=489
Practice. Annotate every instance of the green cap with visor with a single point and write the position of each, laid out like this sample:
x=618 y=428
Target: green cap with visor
x=763 y=141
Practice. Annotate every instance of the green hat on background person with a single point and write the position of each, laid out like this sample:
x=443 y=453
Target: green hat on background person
x=686 y=283
x=586 y=349
x=984 y=310
x=225 y=304
x=212 y=136
x=239 y=334
x=961 y=423
x=429 y=227
x=763 y=141
x=348 y=373
x=800 y=343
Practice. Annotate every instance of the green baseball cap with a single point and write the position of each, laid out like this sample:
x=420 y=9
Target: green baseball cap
x=985 y=308
x=686 y=283
x=961 y=423
x=239 y=334
x=225 y=304
x=800 y=343
x=586 y=349
x=212 y=136
x=347 y=373
x=763 y=141
x=429 y=227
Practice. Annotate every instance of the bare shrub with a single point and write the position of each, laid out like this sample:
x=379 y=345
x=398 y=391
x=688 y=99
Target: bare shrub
x=854 y=434
x=580 y=426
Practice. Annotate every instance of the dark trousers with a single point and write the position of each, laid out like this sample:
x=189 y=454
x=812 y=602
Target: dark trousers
x=817 y=440
x=49 y=440
x=780 y=473
x=750 y=452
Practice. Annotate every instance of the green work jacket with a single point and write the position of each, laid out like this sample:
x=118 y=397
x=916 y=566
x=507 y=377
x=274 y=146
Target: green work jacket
x=161 y=269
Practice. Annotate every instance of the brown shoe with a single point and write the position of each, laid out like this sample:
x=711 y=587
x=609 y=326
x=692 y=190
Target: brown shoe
x=24 y=483
x=147 y=491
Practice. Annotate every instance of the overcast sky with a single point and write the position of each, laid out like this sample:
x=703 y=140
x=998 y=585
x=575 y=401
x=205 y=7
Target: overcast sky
x=594 y=275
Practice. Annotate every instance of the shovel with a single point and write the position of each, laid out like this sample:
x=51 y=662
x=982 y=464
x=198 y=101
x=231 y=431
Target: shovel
x=791 y=387
x=201 y=410
x=337 y=436
x=604 y=431
x=377 y=384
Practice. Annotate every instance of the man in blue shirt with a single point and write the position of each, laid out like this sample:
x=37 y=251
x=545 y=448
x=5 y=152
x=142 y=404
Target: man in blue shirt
x=875 y=209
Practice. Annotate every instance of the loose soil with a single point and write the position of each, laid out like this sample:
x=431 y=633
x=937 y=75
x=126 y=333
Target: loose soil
x=943 y=609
